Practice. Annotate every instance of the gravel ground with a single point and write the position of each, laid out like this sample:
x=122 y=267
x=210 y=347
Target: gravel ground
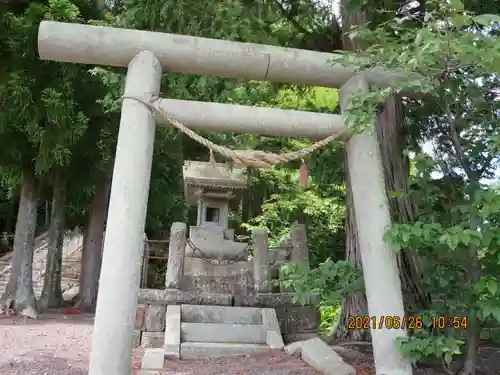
x=277 y=363
x=60 y=345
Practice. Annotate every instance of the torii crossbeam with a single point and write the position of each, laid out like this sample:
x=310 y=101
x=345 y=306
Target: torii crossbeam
x=147 y=55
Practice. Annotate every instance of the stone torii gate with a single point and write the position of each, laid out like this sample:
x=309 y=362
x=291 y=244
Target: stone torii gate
x=147 y=55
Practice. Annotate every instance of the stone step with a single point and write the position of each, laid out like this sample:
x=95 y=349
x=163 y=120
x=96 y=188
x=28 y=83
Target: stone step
x=221 y=314
x=223 y=333
x=191 y=350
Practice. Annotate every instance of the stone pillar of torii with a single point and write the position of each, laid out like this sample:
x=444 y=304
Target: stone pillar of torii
x=147 y=55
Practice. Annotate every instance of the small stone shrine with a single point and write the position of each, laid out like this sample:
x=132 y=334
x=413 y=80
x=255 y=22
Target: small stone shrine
x=207 y=266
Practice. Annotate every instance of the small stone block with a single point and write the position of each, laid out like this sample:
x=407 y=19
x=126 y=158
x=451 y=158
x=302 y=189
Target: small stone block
x=139 y=316
x=152 y=339
x=294 y=348
x=155 y=318
x=153 y=359
x=172 y=343
x=136 y=338
x=321 y=357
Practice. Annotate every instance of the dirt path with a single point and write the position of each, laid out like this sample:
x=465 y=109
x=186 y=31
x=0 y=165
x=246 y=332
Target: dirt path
x=54 y=345
x=60 y=345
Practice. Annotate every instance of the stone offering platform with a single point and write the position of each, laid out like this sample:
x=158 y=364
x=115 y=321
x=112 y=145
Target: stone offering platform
x=202 y=331
x=294 y=322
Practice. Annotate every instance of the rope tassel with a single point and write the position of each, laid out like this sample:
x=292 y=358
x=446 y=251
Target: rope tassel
x=303 y=174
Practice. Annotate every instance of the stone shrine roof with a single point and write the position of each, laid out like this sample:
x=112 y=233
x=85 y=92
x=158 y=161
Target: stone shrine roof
x=201 y=174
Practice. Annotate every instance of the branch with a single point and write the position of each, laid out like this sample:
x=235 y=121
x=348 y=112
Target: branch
x=291 y=18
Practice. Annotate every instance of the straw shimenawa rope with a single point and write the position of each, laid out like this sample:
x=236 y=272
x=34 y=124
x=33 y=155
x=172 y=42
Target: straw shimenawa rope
x=250 y=158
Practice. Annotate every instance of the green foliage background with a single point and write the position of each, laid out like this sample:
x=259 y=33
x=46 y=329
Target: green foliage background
x=59 y=122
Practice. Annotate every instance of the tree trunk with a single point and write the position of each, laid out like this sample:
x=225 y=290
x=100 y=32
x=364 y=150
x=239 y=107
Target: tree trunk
x=355 y=305
x=396 y=170
x=92 y=243
x=392 y=140
x=19 y=290
x=52 y=293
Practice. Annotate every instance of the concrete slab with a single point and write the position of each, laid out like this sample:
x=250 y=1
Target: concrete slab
x=221 y=314
x=223 y=333
x=321 y=357
x=172 y=341
x=153 y=359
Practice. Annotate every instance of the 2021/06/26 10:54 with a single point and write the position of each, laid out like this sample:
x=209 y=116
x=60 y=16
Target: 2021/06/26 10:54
x=406 y=322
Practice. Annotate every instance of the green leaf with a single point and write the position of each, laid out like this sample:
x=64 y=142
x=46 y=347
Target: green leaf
x=495 y=312
x=486 y=19
x=492 y=286
x=460 y=20
x=457 y=5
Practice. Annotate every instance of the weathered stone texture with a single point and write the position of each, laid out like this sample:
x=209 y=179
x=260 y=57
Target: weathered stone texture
x=226 y=285
x=155 y=318
x=176 y=251
x=300 y=250
x=302 y=319
x=152 y=339
x=139 y=316
x=177 y=297
x=261 y=260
